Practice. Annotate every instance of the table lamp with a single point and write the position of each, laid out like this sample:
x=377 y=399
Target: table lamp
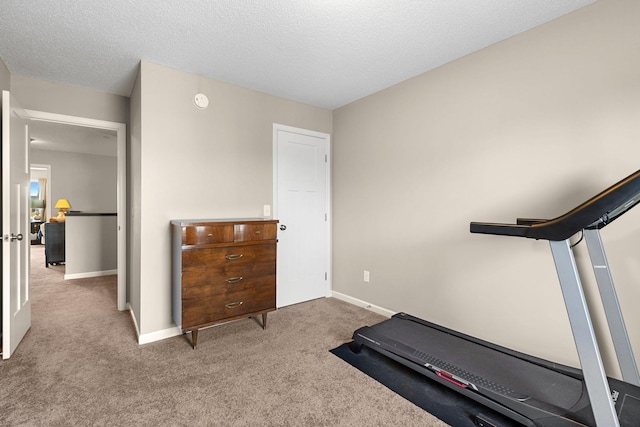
x=63 y=205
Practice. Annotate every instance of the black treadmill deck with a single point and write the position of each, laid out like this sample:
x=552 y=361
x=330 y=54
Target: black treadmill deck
x=491 y=368
x=537 y=390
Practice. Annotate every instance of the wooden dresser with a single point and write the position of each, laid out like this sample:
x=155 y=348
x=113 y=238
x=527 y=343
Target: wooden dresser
x=222 y=270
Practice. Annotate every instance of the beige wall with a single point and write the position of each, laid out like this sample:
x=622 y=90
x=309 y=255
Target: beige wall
x=5 y=76
x=88 y=181
x=530 y=127
x=41 y=95
x=213 y=163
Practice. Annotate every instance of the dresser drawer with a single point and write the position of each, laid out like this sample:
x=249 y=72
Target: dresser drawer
x=228 y=261
x=255 y=231
x=206 y=234
x=201 y=311
x=217 y=286
x=227 y=255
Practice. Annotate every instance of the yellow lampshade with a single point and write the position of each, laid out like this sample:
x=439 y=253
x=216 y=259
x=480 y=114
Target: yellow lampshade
x=62 y=205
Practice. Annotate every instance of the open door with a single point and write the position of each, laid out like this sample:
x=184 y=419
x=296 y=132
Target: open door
x=16 y=299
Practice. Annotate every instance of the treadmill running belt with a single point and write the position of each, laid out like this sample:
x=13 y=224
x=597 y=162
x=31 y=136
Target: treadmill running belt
x=494 y=368
x=536 y=391
x=438 y=400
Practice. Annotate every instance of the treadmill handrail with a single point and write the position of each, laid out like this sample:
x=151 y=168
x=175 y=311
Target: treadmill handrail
x=596 y=213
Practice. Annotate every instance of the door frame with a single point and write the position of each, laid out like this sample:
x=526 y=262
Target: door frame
x=121 y=196
x=328 y=238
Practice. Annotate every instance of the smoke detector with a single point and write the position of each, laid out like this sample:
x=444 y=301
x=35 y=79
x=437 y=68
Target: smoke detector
x=201 y=101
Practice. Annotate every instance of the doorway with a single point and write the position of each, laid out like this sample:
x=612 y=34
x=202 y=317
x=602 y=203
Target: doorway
x=120 y=141
x=40 y=196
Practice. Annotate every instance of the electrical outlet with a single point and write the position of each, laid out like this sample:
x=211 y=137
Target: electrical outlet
x=366 y=276
x=266 y=210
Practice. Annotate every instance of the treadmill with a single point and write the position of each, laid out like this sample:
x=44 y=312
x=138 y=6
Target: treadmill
x=530 y=390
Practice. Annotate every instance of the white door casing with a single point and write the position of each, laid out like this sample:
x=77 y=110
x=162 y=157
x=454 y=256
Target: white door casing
x=121 y=138
x=16 y=298
x=302 y=205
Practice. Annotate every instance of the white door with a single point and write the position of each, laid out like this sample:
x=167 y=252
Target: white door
x=16 y=301
x=302 y=207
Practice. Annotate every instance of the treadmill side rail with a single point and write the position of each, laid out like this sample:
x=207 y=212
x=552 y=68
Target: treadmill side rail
x=612 y=310
x=595 y=376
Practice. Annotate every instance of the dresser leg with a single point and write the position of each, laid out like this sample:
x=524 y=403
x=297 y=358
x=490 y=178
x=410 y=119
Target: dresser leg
x=194 y=338
x=264 y=320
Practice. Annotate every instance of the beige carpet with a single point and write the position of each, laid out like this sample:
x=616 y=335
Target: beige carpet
x=80 y=365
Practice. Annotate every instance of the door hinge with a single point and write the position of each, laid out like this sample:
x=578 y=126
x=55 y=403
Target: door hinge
x=325 y=217
x=325 y=275
x=325 y=159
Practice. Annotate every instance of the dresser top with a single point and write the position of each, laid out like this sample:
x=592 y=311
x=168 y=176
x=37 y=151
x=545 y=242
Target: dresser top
x=190 y=222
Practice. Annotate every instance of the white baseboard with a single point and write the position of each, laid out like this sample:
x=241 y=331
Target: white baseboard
x=134 y=320
x=153 y=336
x=90 y=274
x=174 y=331
x=355 y=301
x=158 y=335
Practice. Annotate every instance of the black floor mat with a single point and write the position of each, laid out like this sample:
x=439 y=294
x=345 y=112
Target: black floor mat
x=449 y=406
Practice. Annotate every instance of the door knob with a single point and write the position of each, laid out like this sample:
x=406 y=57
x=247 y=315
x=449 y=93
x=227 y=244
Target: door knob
x=283 y=227
x=14 y=237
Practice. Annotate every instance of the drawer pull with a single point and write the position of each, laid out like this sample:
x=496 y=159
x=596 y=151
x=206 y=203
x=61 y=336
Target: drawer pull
x=257 y=231
x=234 y=304
x=210 y=235
x=233 y=280
x=233 y=257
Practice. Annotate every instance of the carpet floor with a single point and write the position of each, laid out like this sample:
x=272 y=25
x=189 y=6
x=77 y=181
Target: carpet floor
x=80 y=364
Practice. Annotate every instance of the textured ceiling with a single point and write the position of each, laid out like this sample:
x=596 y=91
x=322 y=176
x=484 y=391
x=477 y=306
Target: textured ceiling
x=320 y=52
